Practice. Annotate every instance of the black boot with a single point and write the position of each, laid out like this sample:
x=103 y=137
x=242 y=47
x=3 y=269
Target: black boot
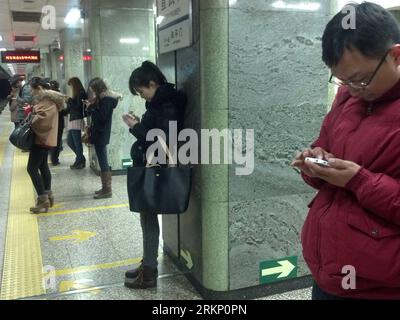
x=147 y=278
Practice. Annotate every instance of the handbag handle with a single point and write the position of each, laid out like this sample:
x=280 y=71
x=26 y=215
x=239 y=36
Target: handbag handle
x=167 y=152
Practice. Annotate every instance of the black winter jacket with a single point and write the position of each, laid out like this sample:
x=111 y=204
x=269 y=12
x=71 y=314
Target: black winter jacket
x=167 y=105
x=75 y=107
x=101 y=114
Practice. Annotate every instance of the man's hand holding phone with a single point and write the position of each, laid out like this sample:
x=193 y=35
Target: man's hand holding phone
x=306 y=166
x=335 y=171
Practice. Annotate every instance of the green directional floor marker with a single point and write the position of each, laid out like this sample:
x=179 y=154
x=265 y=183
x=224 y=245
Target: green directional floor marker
x=278 y=270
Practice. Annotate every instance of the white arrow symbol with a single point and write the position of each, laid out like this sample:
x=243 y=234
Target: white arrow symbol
x=286 y=267
x=186 y=255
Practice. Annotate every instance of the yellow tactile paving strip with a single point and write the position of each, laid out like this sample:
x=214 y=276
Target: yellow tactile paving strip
x=22 y=270
x=3 y=144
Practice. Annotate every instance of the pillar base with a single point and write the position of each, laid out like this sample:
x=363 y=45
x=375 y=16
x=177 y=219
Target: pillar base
x=249 y=293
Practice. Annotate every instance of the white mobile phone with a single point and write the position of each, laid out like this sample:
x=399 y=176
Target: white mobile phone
x=320 y=162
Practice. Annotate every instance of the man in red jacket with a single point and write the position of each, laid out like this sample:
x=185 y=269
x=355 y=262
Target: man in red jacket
x=351 y=236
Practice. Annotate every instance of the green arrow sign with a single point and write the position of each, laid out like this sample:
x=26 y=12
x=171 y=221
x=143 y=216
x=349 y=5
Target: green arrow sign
x=278 y=270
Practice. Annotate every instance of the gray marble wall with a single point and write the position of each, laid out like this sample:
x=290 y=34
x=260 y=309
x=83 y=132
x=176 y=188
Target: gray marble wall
x=114 y=61
x=71 y=45
x=278 y=87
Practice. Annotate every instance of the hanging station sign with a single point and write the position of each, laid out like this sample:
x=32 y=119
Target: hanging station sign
x=174 y=25
x=19 y=56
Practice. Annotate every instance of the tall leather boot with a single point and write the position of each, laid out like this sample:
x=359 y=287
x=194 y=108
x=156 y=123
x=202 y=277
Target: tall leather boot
x=42 y=204
x=103 y=182
x=106 y=191
x=51 y=197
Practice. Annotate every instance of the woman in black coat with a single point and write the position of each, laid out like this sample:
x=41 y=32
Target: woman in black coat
x=101 y=106
x=163 y=104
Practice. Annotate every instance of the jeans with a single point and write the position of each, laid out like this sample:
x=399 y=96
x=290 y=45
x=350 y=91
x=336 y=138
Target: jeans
x=151 y=233
x=38 y=169
x=74 y=141
x=55 y=153
x=101 y=153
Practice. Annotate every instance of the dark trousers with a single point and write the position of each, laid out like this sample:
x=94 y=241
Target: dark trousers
x=319 y=294
x=151 y=234
x=101 y=153
x=38 y=169
x=55 y=153
x=74 y=141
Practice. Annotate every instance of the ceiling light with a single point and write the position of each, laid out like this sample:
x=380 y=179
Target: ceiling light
x=146 y=49
x=1 y=38
x=159 y=20
x=304 y=6
x=73 y=16
x=129 y=40
x=3 y=49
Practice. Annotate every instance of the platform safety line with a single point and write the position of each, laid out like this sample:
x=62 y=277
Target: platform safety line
x=23 y=266
x=84 y=210
x=110 y=265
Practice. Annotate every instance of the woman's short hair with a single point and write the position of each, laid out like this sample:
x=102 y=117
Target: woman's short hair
x=142 y=76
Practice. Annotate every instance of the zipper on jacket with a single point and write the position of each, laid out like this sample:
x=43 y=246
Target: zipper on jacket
x=370 y=109
x=319 y=234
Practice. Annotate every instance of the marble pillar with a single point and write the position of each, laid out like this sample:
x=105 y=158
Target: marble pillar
x=45 y=64
x=254 y=64
x=114 y=61
x=278 y=86
x=72 y=47
x=56 y=64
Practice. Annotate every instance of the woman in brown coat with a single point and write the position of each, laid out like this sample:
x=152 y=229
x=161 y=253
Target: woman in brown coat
x=45 y=125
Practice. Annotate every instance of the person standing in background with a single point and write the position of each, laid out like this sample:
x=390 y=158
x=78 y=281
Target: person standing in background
x=55 y=153
x=75 y=109
x=13 y=104
x=101 y=107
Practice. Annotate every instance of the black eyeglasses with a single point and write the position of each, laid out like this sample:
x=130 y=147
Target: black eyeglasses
x=358 y=85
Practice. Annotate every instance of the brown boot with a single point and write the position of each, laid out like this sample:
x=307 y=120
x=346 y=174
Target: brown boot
x=42 y=204
x=147 y=278
x=106 y=191
x=102 y=184
x=132 y=274
x=51 y=197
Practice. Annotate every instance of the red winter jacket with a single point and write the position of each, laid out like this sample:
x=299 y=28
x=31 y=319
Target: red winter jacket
x=358 y=225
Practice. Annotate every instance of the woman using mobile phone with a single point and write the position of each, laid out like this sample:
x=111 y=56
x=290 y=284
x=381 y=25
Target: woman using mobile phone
x=44 y=123
x=101 y=105
x=163 y=104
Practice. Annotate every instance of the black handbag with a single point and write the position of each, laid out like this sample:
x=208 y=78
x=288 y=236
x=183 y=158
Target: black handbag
x=23 y=136
x=160 y=190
